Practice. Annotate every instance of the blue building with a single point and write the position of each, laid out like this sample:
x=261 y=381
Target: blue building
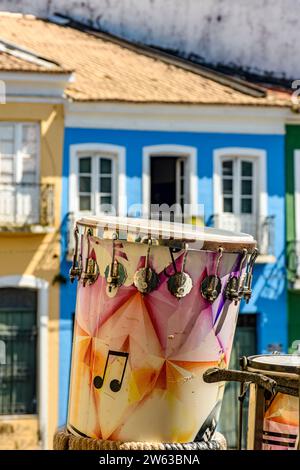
x=142 y=127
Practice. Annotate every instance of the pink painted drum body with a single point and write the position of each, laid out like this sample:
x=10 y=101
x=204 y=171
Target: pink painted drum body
x=138 y=357
x=280 y=427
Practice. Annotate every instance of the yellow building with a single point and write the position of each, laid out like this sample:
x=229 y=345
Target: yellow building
x=31 y=140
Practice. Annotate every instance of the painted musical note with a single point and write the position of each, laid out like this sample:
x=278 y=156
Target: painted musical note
x=115 y=384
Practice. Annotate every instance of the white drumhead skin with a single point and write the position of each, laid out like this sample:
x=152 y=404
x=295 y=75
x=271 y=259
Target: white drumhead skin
x=279 y=359
x=167 y=229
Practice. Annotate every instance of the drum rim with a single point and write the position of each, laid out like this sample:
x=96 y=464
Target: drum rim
x=247 y=242
x=290 y=369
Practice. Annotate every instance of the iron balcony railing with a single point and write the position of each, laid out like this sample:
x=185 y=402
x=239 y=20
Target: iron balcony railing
x=26 y=204
x=293 y=261
x=261 y=228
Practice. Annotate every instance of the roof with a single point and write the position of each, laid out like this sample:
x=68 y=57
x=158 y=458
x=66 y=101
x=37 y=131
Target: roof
x=111 y=70
x=12 y=62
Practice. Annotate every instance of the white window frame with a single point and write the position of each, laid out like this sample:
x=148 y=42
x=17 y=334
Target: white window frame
x=259 y=156
x=117 y=153
x=236 y=176
x=17 y=130
x=180 y=151
x=42 y=287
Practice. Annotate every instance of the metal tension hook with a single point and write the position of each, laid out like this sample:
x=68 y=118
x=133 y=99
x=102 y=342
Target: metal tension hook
x=91 y=271
x=234 y=288
x=115 y=272
x=211 y=285
x=247 y=291
x=76 y=269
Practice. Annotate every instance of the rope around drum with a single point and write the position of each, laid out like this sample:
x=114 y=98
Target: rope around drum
x=63 y=440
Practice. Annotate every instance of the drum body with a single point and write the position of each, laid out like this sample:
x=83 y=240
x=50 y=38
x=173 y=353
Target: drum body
x=273 y=423
x=138 y=357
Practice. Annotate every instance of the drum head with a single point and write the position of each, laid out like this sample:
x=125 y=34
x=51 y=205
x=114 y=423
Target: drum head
x=289 y=363
x=198 y=237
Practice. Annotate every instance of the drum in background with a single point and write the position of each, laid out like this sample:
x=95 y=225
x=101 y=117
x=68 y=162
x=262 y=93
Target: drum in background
x=273 y=422
x=153 y=313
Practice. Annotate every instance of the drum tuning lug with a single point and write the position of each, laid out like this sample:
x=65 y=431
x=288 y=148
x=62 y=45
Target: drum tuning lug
x=115 y=272
x=146 y=279
x=247 y=291
x=179 y=283
x=76 y=269
x=234 y=290
x=91 y=272
x=211 y=285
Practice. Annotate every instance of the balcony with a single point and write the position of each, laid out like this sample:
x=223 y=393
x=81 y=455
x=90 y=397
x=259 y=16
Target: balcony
x=26 y=207
x=261 y=228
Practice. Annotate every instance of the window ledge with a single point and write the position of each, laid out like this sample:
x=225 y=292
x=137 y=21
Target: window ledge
x=18 y=417
x=265 y=259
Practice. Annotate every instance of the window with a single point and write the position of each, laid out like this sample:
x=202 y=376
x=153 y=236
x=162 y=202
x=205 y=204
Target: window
x=238 y=208
x=238 y=190
x=240 y=194
x=18 y=153
x=18 y=330
x=19 y=173
x=96 y=183
x=168 y=183
x=170 y=176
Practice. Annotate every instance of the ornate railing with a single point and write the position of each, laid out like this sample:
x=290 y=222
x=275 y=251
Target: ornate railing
x=293 y=262
x=261 y=228
x=23 y=205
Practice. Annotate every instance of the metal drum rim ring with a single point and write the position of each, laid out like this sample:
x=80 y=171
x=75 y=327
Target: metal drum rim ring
x=206 y=245
x=263 y=366
x=235 y=246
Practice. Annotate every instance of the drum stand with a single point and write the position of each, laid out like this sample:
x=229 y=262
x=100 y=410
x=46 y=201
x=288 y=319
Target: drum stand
x=265 y=387
x=63 y=440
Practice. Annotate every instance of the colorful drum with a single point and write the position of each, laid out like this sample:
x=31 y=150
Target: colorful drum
x=273 y=422
x=156 y=307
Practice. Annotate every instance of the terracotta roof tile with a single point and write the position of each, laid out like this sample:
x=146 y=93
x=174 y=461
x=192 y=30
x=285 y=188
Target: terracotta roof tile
x=107 y=71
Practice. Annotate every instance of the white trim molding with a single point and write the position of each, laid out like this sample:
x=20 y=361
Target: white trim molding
x=32 y=84
x=170 y=117
x=42 y=287
x=190 y=153
x=119 y=154
x=261 y=156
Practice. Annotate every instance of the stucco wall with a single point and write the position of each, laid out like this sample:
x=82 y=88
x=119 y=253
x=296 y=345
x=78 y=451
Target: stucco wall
x=261 y=36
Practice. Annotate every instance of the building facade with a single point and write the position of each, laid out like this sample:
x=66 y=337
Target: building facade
x=293 y=227
x=31 y=139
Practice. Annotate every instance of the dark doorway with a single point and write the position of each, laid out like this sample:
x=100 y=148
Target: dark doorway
x=163 y=180
x=244 y=344
x=168 y=186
